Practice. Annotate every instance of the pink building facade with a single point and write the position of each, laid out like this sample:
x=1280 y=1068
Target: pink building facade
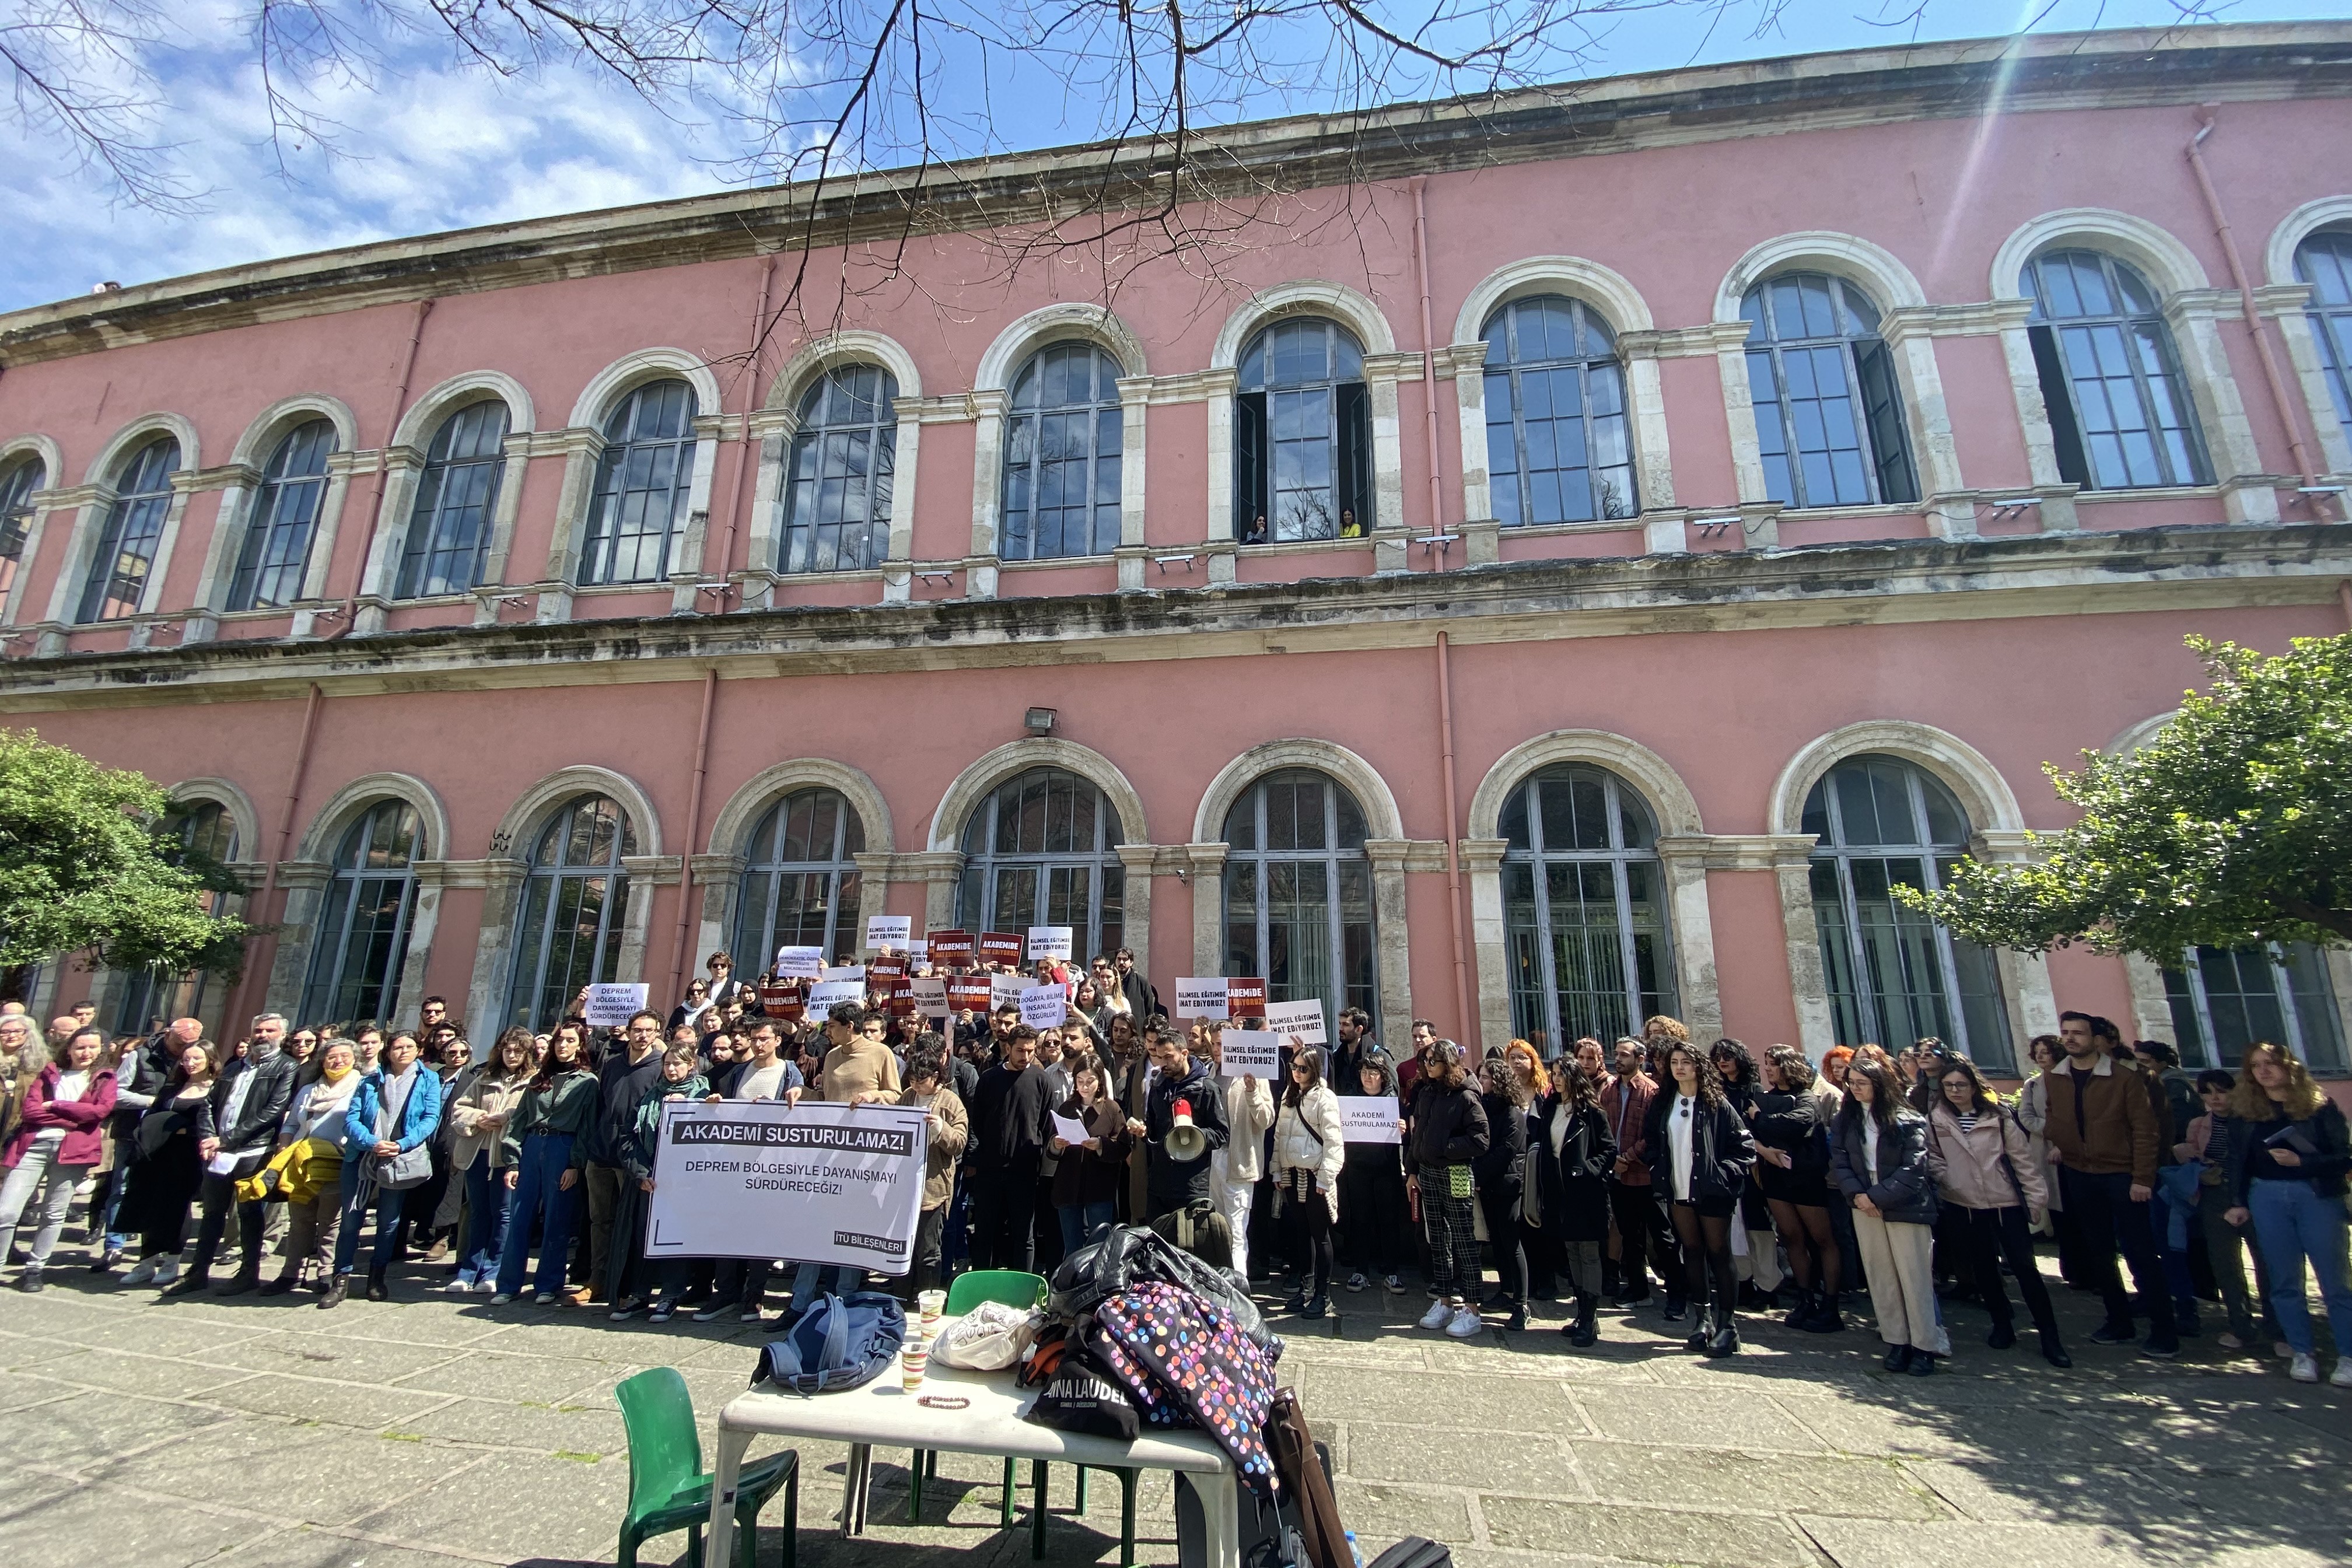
x=1564 y=572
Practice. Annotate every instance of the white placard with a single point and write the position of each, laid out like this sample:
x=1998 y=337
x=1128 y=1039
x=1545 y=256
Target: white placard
x=1049 y=941
x=916 y=949
x=1045 y=1006
x=609 y=1006
x=1369 y=1119
x=824 y=994
x=1304 y=1019
x=1005 y=990
x=1202 y=997
x=837 y=1185
x=1070 y=1130
x=889 y=931
x=845 y=971
x=1253 y=1052
x=800 y=963
x=930 y=996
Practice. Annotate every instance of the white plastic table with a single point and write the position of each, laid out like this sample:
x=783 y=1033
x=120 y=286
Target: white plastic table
x=883 y=1413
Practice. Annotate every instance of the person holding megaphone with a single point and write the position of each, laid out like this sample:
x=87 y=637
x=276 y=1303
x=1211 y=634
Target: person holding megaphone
x=1184 y=1123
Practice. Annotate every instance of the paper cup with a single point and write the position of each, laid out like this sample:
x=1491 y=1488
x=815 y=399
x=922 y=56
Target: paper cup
x=930 y=1304
x=913 y=1357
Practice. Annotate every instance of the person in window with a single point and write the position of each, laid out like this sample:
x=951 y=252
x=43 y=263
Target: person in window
x=240 y=1121
x=543 y=1141
x=394 y=1112
x=1878 y=1152
x=1570 y=1192
x=2289 y=1153
x=1700 y=1151
x=166 y=1169
x=2102 y=1127
x=1447 y=1134
x=60 y=1134
x=928 y=1089
x=2205 y=1145
x=312 y=1181
x=478 y=1156
x=1982 y=1160
x=1792 y=1165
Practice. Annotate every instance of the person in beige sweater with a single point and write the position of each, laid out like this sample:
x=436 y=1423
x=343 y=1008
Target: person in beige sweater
x=951 y=1130
x=858 y=1068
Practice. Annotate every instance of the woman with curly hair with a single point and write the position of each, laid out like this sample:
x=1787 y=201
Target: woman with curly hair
x=1700 y=1154
x=1753 y=1255
x=1878 y=1149
x=1448 y=1134
x=1792 y=1168
x=1568 y=1190
x=2289 y=1151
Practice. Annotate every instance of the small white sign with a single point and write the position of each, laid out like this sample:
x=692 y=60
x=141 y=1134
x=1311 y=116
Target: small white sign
x=1005 y=990
x=1200 y=998
x=609 y=1006
x=1249 y=1051
x=1045 y=1006
x=930 y=996
x=825 y=993
x=916 y=949
x=1049 y=941
x=889 y=931
x=1070 y=1130
x=1369 y=1119
x=1304 y=1019
x=800 y=963
x=843 y=972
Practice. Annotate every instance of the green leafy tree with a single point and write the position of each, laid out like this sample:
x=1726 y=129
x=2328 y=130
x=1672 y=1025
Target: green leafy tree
x=91 y=864
x=2232 y=826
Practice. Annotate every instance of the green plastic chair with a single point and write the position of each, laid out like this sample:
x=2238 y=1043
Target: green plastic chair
x=669 y=1490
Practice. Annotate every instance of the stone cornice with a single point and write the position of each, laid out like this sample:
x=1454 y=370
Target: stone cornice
x=1905 y=581
x=1859 y=87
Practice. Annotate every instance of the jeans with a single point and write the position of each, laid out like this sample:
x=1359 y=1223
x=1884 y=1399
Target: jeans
x=2174 y=1262
x=387 y=1204
x=1079 y=1220
x=810 y=1280
x=2106 y=1217
x=218 y=1195
x=2292 y=1222
x=39 y=1166
x=487 y=1203
x=2225 y=1245
x=539 y=1193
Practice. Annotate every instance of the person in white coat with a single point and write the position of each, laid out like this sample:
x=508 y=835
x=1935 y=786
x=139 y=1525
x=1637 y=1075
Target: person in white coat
x=1235 y=1169
x=1308 y=1149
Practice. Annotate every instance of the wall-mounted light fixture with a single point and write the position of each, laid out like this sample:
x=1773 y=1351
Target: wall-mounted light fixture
x=1038 y=721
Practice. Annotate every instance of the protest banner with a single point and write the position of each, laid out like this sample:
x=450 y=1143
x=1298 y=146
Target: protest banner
x=889 y=931
x=1246 y=997
x=902 y=998
x=800 y=963
x=1000 y=947
x=1304 y=1019
x=609 y=1006
x=825 y=993
x=1249 y=1052
x=1369 y=1119
x=930 y=996
x=1045 y=1006
x=1201 y=996
x=1005 y=990
x=837 y=1185
x=845 y=971
x=916 y=950
x=971 y=993
x=784 y=1004
x=949 y=947
x=882 y=969
x=1048 y=941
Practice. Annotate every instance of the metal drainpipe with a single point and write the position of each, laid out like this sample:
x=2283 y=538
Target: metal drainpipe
x=383 y=470
x=693 y=826
x=268 y=940
x=1428 y=356
x=2206 y=114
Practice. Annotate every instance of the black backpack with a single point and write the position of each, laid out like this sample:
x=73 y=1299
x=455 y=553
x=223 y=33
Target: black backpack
x=1125 y=1256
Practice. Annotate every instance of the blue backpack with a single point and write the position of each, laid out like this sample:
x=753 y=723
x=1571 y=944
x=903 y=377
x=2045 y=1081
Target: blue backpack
x=841 y=1343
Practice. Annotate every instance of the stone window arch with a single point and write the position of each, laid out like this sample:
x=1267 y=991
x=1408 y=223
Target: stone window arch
x=572 y=923
x=644 y=486
x=839 y=490
x=2119 y=408
x=208 y=828
x=1298 y=901
x=1042 y=849
x=1831 y=425
x=360 y=945
x=1064 y=437
x=800 y=884
x=20 y=476
x=1302 y=434
x=273 y=557
x=130 y=539
x=1558 y=428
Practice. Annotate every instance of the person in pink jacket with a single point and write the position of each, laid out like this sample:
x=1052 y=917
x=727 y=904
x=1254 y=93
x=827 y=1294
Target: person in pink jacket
x=59 y=1142
x=1982 y=1159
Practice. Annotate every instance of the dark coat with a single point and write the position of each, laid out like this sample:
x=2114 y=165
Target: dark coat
x=1449 y=1127
x=1722 y=1152
x=1505 y=1163
x=1170 y=1183
x=1572 y=1185
x=1904 y=1192
x=255 y=1128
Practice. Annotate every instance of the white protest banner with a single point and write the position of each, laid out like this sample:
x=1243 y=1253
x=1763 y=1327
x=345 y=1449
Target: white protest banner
x=889 y=931
x=916 y=949
x=609 y=1006
x=800 y=963
x=1249 y=1051
x=824 y=994
x=1069 y=1128
x=1369 y=1119
x=1005 y=990
x=930 y=996
x=845 y=971
x=838 y=1184
x=1048 y=941
x=1200 y=998
x=1304 y=1019
x=1045 y=1006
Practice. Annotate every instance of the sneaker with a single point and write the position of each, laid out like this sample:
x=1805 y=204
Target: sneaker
x=500 y=1298
x=2281 y=1349
x=168 y=1272
x=2229 y=1342
x=2160 y=1349
x=1435 y=1318
x=713 y=1312
x=660 y=1314
x=1395 y=1284
x=545 y=1299
x=748 y=1315
x=30 y=1281
x=2111 y=1334
x=624 y=1313
x=486 y=1287
x=143 y=1271
x=2303 y=1368
x=1466 y=1322
x=2340 y=1378
x=458 y=1287
x=1357 y=1281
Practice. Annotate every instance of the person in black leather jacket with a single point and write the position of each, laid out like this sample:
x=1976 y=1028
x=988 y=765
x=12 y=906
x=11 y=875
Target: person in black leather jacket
x=239 y=1118
x=1700 y=1154
x=1575 y=1154
x=1501 y=1174
x=1878 y=1152
x=1792 y=1168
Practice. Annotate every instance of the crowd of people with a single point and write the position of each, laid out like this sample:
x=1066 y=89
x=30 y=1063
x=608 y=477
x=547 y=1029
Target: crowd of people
x=1703 y=1182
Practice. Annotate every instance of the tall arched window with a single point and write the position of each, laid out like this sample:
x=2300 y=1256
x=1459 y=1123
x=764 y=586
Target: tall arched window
x=1298 y=892
x=205 y=829
x=271 y=561
x=1556 y=444
x=456 y=497
x=568 y=932
x=1829 y=407
x=1061 y=455
x=1302 y=435
x=2225 y=999
x=838 y=498
x=362 y=935
x=1894 y=976
x=2119 y=411
x=1043 y=850
x=132 y=530
x=2324 y=261
x=1584 y=906
x=800 y=878
x=643 y=482
x=17 y=488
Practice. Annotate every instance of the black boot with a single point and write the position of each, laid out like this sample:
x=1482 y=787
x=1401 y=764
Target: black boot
x=1584 y=1331
x=188 y=1284
x=245 y=1279
x=1808 y=1303
x=337 y=1289
x=2052 y=1350
x=1827 y=1319
x=2003 y=1335
x=280 y=1286
x=1725 y=1341
x=1518 y=1318
x=1704 y=1330
x=375 y=1290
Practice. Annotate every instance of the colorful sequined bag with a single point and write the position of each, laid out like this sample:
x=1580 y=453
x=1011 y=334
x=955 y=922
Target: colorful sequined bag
x=1181 y=1354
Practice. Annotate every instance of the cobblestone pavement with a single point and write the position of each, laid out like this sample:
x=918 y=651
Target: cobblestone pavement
x=137 y=1433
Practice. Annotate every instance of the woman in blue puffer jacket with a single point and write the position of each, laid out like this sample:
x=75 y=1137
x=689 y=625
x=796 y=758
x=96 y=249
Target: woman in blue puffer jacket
x=393 y=1113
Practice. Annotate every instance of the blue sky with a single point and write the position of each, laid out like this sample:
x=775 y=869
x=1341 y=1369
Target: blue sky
x=432 y=145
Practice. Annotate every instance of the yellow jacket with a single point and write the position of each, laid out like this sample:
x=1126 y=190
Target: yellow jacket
x=297 y=1173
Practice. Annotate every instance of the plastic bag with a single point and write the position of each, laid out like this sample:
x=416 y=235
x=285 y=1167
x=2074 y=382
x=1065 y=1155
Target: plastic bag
x=989 y=1338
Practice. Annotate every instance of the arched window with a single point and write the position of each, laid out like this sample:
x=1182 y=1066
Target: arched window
x=362 y=934
x=457 y=496
x=205 y=829
x=837 y=500
x=2225 y=999
x=1584 y=905
x=1061 y=455
x=1895 y=976
x=1829 y=408
x=2324 y=261
x=17 y=488
x=1302 y=435
x=134 y=528
x=1556 y=443
x=1298 y=893
x=568 y=933
x=1043 y=850
x=643 y=481
x=2119 y=412
x=271 y=561
x=800 y=878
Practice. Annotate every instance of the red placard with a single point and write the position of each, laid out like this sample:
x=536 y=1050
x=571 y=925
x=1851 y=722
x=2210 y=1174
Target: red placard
x=968 y=993
x=949 y=947
x=879 y=972
x=902 y=997
x=785 y=1004
x=1000 y=946
x=1246 y=997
